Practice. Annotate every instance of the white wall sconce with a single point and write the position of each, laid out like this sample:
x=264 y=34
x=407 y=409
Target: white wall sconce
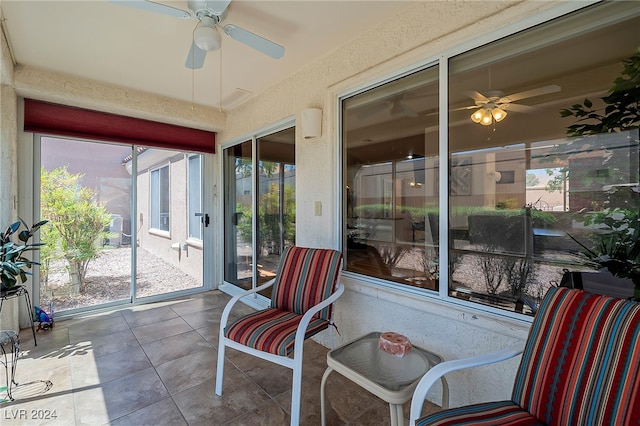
x=311 y=123
x=495 y=175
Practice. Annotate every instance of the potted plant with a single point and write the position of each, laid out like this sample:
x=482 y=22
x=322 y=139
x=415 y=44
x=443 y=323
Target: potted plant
x=616 y=235
x=13 y=263
x=616 y=244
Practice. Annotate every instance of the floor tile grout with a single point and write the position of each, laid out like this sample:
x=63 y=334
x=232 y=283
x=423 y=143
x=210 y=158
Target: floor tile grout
x=185 y=376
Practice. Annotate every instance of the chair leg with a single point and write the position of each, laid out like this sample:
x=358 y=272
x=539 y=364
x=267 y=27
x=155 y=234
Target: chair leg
x=296 y=390
x=220 y=367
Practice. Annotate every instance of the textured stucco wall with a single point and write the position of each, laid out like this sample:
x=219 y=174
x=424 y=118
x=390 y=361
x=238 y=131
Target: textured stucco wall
x=424 y=30
x=50 y=86
x=8 y=166
x=8 y=185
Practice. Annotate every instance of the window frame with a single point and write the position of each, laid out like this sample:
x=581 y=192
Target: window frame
x=442 y=61
x=190 y=214
x=152 y=228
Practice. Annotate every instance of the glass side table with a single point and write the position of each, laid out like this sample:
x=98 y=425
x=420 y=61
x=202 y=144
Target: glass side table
x=391 y=378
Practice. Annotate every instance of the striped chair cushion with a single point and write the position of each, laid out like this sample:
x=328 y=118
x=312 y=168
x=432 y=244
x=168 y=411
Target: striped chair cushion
x=271 y=330
x=305 y=277
x=504 y=413
x=581 y=364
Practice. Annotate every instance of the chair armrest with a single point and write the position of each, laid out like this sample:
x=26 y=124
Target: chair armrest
x=435 y=373
x=227 y=309
x=306 y=318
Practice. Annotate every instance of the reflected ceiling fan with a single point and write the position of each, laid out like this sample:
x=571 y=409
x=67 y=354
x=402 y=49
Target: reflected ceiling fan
x=494 y=105
x=395 y=105
x=206 y=37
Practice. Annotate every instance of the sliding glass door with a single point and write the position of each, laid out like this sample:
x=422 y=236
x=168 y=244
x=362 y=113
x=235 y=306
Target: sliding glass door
x=85 y=193
x=123 y=225
x=259 y=207
x=169 y=222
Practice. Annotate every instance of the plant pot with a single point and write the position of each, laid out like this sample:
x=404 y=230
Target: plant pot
x=599 y=282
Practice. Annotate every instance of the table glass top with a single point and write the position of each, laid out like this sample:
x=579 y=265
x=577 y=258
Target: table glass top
x=389 y=371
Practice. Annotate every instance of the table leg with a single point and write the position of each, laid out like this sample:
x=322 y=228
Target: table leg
x=395 y=412
x=322 y=383
x=445 y=393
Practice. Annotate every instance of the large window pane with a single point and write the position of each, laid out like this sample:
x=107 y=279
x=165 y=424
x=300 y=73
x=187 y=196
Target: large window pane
x=391 y=180
x=269 y=218
x=159 y=202
x=85 y=194
x=523 y=185
x=542 y=163
x=168 y=257
x=238 y=228
x=276 y=200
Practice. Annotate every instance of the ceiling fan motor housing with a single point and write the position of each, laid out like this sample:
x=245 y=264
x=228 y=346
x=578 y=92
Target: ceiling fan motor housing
x=206 y=36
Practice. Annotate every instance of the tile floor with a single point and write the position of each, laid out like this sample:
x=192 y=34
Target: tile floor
x=155 y=364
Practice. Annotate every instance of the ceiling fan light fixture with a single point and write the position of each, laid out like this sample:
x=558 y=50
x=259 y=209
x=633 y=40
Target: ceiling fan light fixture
x=487 y=119
x=498 y=114
x=206 y=38
x=476 y=117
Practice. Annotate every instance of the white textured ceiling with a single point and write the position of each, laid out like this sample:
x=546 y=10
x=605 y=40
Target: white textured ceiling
x=112 y=43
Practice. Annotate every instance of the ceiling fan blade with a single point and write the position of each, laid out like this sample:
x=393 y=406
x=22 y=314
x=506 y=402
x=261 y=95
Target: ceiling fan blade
x=154 y=7
x=261 y=44
x=518 y=108
x=195 y=59
x=464 y=108
x=370 y=110
x=476 y=96
x=218 y=6
x=530 y=93
x=408 y=111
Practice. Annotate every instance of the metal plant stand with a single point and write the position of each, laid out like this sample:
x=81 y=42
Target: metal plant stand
x=18 y=291
x=10 y=346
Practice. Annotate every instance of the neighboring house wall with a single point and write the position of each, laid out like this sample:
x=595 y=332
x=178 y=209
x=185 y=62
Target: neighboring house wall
x=161 y=243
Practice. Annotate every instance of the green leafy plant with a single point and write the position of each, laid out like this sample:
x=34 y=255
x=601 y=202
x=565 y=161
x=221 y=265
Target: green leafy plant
x=270 y=227
x=13 y=263
x=622 y=105
x=616 y=244
x=77 y=219
x=616 y=241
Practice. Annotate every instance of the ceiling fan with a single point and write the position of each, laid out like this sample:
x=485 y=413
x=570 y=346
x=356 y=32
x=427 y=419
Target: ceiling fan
x=396 y=106
x=210 y=14
x=494 y=105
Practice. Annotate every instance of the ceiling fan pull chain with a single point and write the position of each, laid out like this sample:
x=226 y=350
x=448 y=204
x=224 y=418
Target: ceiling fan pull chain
x=193 y=71
x=220 y=91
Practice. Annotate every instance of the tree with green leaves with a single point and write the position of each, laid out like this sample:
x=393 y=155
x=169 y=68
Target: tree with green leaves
x=617 y=244
x=77 y=219
x=622 y=105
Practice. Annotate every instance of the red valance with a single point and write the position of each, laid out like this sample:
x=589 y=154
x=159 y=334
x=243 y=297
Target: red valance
x=62 y=120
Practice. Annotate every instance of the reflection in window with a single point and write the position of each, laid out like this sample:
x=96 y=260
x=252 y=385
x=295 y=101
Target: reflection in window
x=238 y=230
x=528 y=187
x=159 y=202
x=258 y=227
x=391 y=201
x=276 y=223
x=530 y=172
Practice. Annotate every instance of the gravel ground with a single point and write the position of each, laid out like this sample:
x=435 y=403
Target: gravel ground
x=108 y=279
